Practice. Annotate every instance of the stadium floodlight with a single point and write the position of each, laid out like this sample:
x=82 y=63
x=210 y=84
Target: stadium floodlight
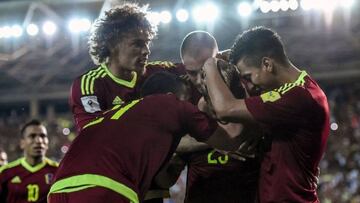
x=284 y=5
x=208 y=12
x=154 y=18
x=306 y=4
x=6 y=32
x=244 y=9
x=165 y=17
x=275 y=5
x=16 y=31
x=32 y=29
x=265 y=6
x=49 y=28
x=182 y=15
x=79 y=25
x=293 y=4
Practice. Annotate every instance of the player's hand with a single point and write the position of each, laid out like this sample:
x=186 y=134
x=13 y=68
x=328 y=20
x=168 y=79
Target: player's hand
x=233 y=155
x=207 y=108
x=224 y=55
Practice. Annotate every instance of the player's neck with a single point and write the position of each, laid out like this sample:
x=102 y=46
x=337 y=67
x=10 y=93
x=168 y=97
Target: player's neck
x=119 y=72
x=33 y=161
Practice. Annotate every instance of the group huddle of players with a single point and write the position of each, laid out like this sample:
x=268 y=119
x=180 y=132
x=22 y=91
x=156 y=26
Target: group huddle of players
x=241 y=130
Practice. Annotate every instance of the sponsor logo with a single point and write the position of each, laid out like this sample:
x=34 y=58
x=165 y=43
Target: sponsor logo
x=16 y=179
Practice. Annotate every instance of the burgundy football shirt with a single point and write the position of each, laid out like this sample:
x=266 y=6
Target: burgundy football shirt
x=98 y=90
x=296 y=115
x=131 y=143
x=20 y=182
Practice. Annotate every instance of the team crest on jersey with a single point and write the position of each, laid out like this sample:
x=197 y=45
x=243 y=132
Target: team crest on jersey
x=117 y=101
x=16 y=179
x=90 y=104
x=270 y=96
x=48 y=178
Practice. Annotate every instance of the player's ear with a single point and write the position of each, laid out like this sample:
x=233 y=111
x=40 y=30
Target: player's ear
x=267 y=64
x=22 y=143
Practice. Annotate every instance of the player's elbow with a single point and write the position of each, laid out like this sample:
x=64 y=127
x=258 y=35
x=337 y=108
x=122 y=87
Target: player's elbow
x=224 y=113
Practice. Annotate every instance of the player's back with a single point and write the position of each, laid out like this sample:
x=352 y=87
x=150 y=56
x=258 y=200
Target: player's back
x=131 y=142
x=21 y=182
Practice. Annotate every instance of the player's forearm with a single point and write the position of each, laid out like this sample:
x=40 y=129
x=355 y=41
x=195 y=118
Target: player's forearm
x=223 y=139
x=188 y=144
x=220 y=95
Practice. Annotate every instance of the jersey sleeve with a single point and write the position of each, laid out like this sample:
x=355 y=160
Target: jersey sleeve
x=275 y=109
x=198 y=124
x=84 y=101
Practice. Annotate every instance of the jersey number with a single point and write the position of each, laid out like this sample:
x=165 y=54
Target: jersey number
x=33 y=192
x=221 y=159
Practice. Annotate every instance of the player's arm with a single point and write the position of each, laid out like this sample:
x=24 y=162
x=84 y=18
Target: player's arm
x=225 y=105
x=189 y=144
x=170 y=172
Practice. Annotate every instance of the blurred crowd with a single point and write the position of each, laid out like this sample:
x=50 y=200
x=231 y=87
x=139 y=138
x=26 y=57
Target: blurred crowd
x=339 y=178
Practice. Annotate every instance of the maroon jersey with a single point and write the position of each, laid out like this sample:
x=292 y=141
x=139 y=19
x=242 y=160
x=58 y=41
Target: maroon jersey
x=129 y=145
x=99 y=90
x=20 y=182
x=214 y=177
x=297 y=117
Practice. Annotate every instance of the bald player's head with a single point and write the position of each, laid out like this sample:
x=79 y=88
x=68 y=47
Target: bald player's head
x=196 y=47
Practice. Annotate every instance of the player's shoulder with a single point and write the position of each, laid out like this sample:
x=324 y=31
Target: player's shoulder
x=160 y=64
x=10 y=165
x=51 y=162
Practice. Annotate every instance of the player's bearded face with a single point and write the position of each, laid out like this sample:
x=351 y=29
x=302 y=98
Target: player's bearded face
x=35 y=141
x=133 y=51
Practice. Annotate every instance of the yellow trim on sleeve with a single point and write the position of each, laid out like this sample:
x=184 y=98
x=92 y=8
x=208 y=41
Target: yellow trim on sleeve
x=120 y=112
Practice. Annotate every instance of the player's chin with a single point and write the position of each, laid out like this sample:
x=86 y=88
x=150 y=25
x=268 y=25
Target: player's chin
x=139 y=67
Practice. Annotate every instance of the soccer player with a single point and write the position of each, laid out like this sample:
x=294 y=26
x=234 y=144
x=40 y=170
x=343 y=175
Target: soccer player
x=28 y=179
x=119 y=46
x=212 y=176
x=3 y=157
x=292 y=108
x=139 y=138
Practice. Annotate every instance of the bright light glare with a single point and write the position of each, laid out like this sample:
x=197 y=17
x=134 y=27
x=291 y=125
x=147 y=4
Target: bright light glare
x=49 y=28
x=6 y=32
x=265 y=6
x=306 y=4
x=346 y=3
x=293 y=4
x=275 y=5
x=182 y=15
x=244 y=9
x=154 y=18
x=32 y=29
x=209 y=12
x=16 y=31
x=79 y=25
x=334 y=126
x=284 y=5
x=165 y=17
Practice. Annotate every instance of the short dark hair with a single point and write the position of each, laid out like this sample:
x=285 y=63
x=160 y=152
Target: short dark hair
x=35 y=122
x=162 y=83
x=195 y=41
x=256 y=43
x=114 y=25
